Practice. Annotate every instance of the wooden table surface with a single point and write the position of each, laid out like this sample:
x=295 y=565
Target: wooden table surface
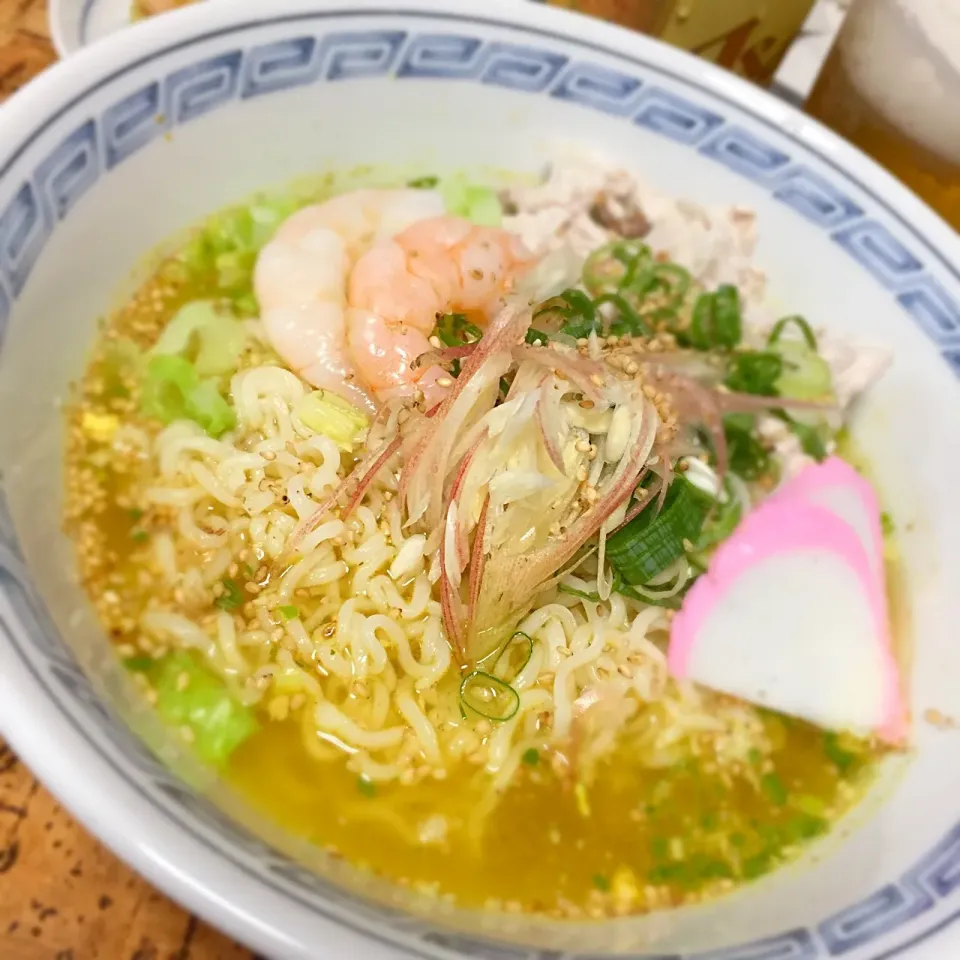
x=62 y=895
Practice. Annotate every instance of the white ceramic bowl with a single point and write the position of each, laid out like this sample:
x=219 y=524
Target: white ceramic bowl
x=122 y=145
x=78 y=23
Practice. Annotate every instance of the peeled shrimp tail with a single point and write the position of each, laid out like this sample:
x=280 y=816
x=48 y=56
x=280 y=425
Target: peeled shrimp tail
x=301 y=278
x=400 y=288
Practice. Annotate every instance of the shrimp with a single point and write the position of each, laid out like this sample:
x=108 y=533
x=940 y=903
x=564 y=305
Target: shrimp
x=398 y=289
x=301 y=278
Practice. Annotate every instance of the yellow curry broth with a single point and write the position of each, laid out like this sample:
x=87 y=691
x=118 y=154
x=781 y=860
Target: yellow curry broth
x=628 y=838
x=637 y=840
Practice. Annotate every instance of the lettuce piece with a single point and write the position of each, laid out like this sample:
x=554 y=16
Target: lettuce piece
x=480 y=205
x=189 y=695
x=227 y=246
x=167 y=381
x=334 y=417
x=172 y=390
x=200 y=333
x=206 y=406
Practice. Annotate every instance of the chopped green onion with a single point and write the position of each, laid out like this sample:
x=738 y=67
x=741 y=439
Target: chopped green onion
x=773 y=787
x=716 y=319
x=289 y=612
x=727 y=316
x=755 y=372
x=810 y=805
x=218 y=722
x=652 y=541
x=139 y=536
x=700 y=334
x=531 y=756
x=232 y=596
x=601 y=883
x=329 y=414
x=625 y=274
x=810 y=440
x=747 y=456
x=805 y=374
x=577 y=310
x=367 y=787
x=534 y=336
x=139 y=664
x=886 y=524
x=842 y=758
x=455 y=330
x=423 y=183
x=616 y=266
x=489 y=696
x=721 y=523
x=673 y=280
x=514 y=656
x=627 y=321
x=804 y=826
x=757 y=866
x=650 y=599
x=805 y=329
x=592 y=597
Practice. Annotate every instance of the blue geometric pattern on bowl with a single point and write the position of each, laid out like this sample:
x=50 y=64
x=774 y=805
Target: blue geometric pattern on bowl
x=99 y=144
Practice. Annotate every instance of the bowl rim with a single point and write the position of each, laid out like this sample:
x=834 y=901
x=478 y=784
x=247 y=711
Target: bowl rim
x=56 y=23
x=49 y=742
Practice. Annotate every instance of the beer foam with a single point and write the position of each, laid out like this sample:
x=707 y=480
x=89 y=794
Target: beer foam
x=903 y=58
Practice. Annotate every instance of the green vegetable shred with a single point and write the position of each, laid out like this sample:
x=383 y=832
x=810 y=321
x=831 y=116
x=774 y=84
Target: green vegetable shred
x=489 y=696
x=172 y=390
x=188 y=695
x=232 y=596
x=717 y=320
x=652 y=541
x=514 y=656
x=531 y=757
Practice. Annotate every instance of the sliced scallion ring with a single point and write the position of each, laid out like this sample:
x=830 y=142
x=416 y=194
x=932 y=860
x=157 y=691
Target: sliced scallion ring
x=582 y=594
x=653 y=540
x=796 y=321
x=627 y=320
x=755 y=372
x=616 y=266
x=514 y=656
x=489 y=696
x=574 y=310
x=805 y=375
